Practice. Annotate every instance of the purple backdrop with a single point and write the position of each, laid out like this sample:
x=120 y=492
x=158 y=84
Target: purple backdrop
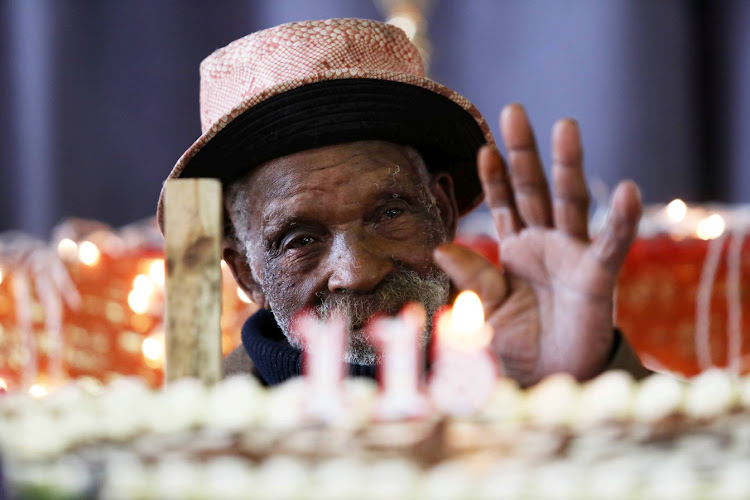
x=100 y=97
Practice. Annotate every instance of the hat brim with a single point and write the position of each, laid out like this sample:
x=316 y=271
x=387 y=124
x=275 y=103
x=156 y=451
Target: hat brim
x=344 y=110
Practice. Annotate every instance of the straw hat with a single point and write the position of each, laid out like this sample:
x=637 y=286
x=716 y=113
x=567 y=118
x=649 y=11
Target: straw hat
x=310 y=84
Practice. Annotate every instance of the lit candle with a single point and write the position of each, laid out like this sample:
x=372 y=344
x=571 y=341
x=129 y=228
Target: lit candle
x=463 y=371
x=323 y=365
x=400 y=373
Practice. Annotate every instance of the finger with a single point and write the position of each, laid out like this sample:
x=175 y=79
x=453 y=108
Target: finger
x=470 y=271
x=530 y=188
x=497 y=191
x=571 y=202
x=612 y=244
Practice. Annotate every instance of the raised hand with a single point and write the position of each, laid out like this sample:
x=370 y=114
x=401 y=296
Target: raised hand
x=551 y=305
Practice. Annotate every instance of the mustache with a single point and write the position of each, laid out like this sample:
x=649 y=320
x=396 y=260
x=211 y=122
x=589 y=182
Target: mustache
x=396 y=290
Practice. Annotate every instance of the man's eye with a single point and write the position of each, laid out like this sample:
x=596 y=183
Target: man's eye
x=300 y=241
x=392 y=213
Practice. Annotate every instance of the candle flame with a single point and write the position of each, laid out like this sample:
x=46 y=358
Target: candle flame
x=468 y=315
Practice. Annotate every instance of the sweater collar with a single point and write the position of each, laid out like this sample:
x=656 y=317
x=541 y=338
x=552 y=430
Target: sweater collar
x=274 y=358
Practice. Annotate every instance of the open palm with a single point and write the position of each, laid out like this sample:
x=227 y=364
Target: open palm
x=551 y=306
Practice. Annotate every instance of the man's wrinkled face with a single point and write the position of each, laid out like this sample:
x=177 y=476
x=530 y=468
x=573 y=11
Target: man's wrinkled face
x=346 y=228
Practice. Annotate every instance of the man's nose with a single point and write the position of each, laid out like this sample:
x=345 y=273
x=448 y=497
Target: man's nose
x=358 y=264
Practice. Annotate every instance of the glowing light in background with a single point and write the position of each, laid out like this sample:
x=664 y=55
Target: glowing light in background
x=152 y=348
x=138 y=301
x=676 y=210
x=406 y=23
x=243 y=296
x=67 y=248
x=38 y=391
x=156 y=272
x=89 y=253
x=3 y=384
x=711 y=227
x=143 y=284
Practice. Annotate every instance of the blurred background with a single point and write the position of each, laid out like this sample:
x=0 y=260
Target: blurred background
x=100 y=97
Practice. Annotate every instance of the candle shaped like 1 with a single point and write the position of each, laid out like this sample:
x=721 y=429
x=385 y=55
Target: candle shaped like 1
x=398 y=340
x=323 y=365
x=463 y=370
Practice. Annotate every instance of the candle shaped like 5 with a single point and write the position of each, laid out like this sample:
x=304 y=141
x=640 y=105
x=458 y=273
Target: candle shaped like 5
x=463 y=370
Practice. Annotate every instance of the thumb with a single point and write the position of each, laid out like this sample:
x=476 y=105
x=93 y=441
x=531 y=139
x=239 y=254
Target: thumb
x=470 y=271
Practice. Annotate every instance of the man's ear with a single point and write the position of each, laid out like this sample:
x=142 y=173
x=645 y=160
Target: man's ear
x=243 y=274
x=441 y=185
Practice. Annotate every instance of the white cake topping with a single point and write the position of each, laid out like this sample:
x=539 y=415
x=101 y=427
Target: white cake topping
x=657 y=397
x=389 y=479
x=337 y=479
x=234 y=403
x=175 y=478
x=551 y=401
x=557 y=481
x=281 y=477
x=124 y=408
x=447 y=481
x=709 y=394
x=227 y=477
x=505 y=404
x=179 y=406
x=732 y=481
x=606 y=398
x=671 y=479
x=743 y=390
x=125 y=477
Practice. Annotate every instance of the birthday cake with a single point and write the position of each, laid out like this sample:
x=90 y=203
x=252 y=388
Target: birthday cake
x=611 y=437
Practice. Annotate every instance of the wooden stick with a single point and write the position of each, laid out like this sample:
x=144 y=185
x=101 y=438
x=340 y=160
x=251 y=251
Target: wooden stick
x=193 y=231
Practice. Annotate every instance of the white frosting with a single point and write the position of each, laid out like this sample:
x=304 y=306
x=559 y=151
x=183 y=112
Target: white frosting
x=709 y=394
x=557 y=481
x=337 y=479
x=284 y=405
x=34 y=436
x=281 y=477
x=448 y=481
x=505 y=481
x=234 y=403
x=505 y=405
x=743 y=392
x=179 y=406
x=551 y=402
x=124 y=408
x=175 y=478
x=657 y=397
x=227 y=477
x=125 y=477
x=732 y=481
x=613 y=479
x=386 y=479
x=606 y=398
x=671 y=479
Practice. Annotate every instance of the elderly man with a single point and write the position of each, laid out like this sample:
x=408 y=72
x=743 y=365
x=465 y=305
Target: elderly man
x=345 y=171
